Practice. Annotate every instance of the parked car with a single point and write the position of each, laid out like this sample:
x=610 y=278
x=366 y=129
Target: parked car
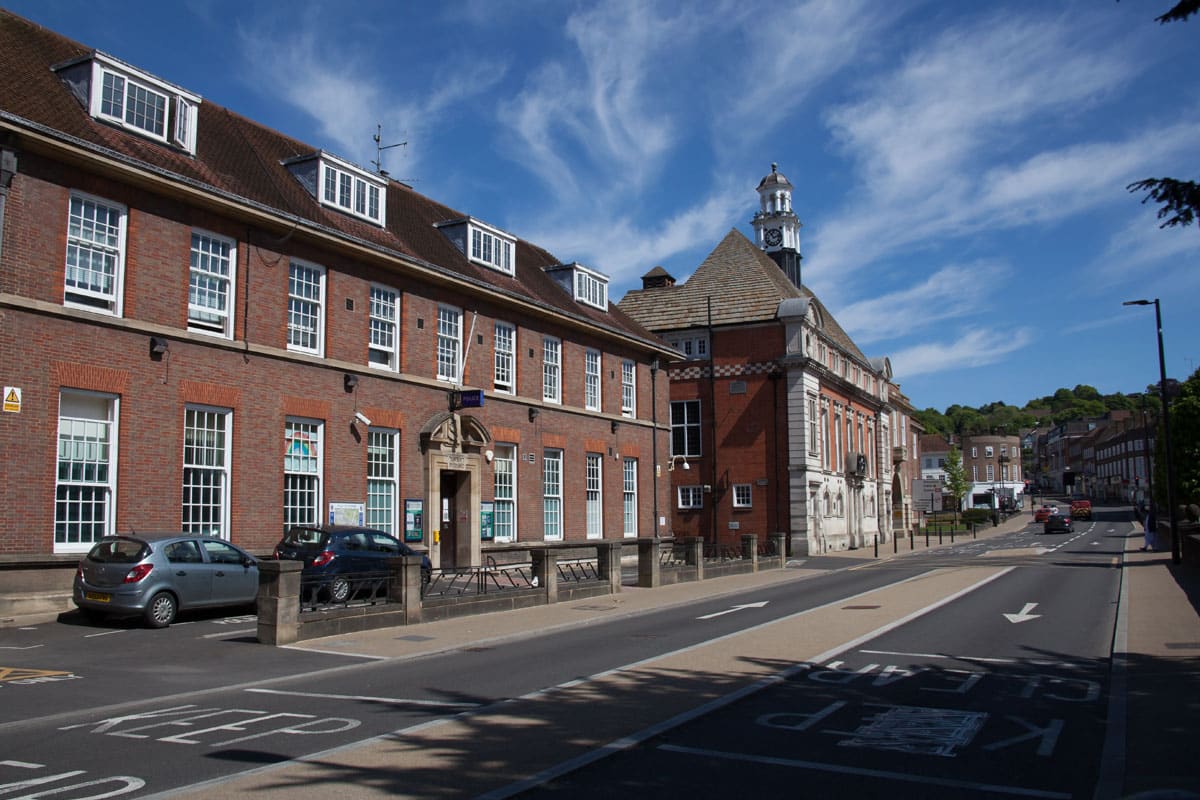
x=1058 y=523
x=157 y=575
x=1081 y=509
x=340 y=560
x=1042 y=513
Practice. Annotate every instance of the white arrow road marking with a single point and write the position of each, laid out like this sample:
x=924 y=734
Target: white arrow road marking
x=735 y=608
x=1024 y=615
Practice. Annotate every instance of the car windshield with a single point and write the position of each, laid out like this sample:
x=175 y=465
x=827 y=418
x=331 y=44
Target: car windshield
x=119 y=551
x=305 y=537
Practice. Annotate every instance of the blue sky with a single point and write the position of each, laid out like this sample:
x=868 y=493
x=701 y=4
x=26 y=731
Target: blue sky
x=959 y=167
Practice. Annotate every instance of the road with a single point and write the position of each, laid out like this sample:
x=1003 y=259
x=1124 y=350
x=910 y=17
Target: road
x=976 y=668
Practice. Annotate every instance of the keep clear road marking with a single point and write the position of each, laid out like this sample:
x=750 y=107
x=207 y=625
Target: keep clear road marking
x=1023 y=615
x=735 y=608
x=392 y=701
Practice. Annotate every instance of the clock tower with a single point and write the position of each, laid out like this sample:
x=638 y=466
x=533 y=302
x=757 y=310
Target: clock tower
x=776 y=226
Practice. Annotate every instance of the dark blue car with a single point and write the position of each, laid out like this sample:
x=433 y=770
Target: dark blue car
x=340 y=561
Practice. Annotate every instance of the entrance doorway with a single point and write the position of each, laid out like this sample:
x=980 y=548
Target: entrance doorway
x=448 y=546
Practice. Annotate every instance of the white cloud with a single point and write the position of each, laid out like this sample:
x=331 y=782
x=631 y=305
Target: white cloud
x=977 y=347
x=938 y=298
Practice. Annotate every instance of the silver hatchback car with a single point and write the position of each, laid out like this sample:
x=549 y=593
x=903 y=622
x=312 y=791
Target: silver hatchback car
x=158 y=574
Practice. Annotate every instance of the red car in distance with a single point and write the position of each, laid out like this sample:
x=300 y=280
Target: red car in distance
x=1040 y=514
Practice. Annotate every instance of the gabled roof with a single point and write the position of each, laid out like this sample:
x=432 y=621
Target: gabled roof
x=744 y=286
x=241 y=163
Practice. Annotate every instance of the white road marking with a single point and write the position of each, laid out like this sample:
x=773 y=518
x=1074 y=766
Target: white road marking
x=907 y=777
x=397 y=701
x=735 y=608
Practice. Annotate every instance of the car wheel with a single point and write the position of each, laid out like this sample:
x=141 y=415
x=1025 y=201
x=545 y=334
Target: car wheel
x=160 y=611
x=339 y=590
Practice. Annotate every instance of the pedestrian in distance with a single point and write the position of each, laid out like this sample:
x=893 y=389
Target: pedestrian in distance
x=1148 y=525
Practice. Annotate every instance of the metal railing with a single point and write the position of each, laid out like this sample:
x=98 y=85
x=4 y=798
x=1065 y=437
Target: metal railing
x=343 y=590
x=721 y=551
x=671 y=554
x=490 y=579
x=578 y=571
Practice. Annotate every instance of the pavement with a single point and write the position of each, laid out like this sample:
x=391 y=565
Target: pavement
x=1153 y=707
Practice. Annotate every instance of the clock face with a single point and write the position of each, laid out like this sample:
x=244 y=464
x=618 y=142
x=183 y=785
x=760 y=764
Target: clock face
x=773 y=237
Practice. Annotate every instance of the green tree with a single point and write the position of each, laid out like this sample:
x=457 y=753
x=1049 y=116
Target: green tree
x=1179 y=201
x=1185 y=447
x=933 y=421
x=956 y=477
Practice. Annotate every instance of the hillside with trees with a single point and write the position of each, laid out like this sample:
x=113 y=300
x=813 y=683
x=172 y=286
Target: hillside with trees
x=1065 y=404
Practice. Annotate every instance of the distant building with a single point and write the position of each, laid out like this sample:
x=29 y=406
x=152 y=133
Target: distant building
x=992 y=465
x=778 y=421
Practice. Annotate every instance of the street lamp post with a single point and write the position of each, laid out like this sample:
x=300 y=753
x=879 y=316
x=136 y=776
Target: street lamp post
x=1176 y=552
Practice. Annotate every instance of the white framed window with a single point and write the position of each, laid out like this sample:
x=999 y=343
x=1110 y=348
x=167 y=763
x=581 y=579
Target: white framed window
x=211 y=284
x=491 y=248
x=355 y=191
x=690 y=496
x=690 y=346
x=306 y=308
x=383 y=480
x=86 y=470
x=685 y=428
x=974 y=472
x=987 y=451
x=974 y=452
x=629 y=497
x=812 y=425
x=591 y=289
x=303 y=441
x=628 y=389
x=742 y=496
x=505 y=358
x=595 y=499
x=991 y=472
x=142 y=104
x=504 y=482
x=591 y=380
x=95 y=270
x=551 y=370
x=206 y=476
x=383 y=350
x=552 y=478
x=449 y=343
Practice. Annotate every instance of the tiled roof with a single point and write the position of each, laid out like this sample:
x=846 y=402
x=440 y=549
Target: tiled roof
x=241 y=161
x=744 y=286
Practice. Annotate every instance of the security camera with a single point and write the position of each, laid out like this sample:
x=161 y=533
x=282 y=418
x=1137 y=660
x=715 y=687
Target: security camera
x=361 y=417
x=489 y=455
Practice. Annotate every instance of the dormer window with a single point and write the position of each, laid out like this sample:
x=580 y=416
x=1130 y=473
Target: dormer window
x=131 y=99
x=350 y=189
x=591 y=288
x=482 y=243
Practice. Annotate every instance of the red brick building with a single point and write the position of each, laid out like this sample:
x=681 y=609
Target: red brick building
x=209 y=325
x=784 y=425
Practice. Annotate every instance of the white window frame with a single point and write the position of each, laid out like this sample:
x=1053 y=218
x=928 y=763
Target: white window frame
x=179 y=118
x=207 y=457
x=628 y=388
x=449 y=344
x=629 y=497
x=551 y=369
x=987 y=451
x=591 y=288
x=591 y=380
x=991 y=472
x=383 y=480
x=303 y=471
x=491 y=247
x=86 y=237
x=505 y=359
x=303 y=306
x=383 y=343
x=552 y=483
x=689 y=497
x=212 y=282
x=743 y=495
x=504 y=491
x=813 y=422
x=594 y=498
x=681 y=428
x=345 y=187
x=86 y=464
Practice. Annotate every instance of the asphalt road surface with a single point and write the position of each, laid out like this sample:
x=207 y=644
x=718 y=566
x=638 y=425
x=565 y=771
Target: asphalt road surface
x=980 y=668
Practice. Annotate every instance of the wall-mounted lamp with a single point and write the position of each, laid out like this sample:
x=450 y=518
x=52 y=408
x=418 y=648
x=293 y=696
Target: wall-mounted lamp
x=615 y=425
x=671 y=466
x=488 y=455
x=349 y=381
x=533 y=414
x=158 y=347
